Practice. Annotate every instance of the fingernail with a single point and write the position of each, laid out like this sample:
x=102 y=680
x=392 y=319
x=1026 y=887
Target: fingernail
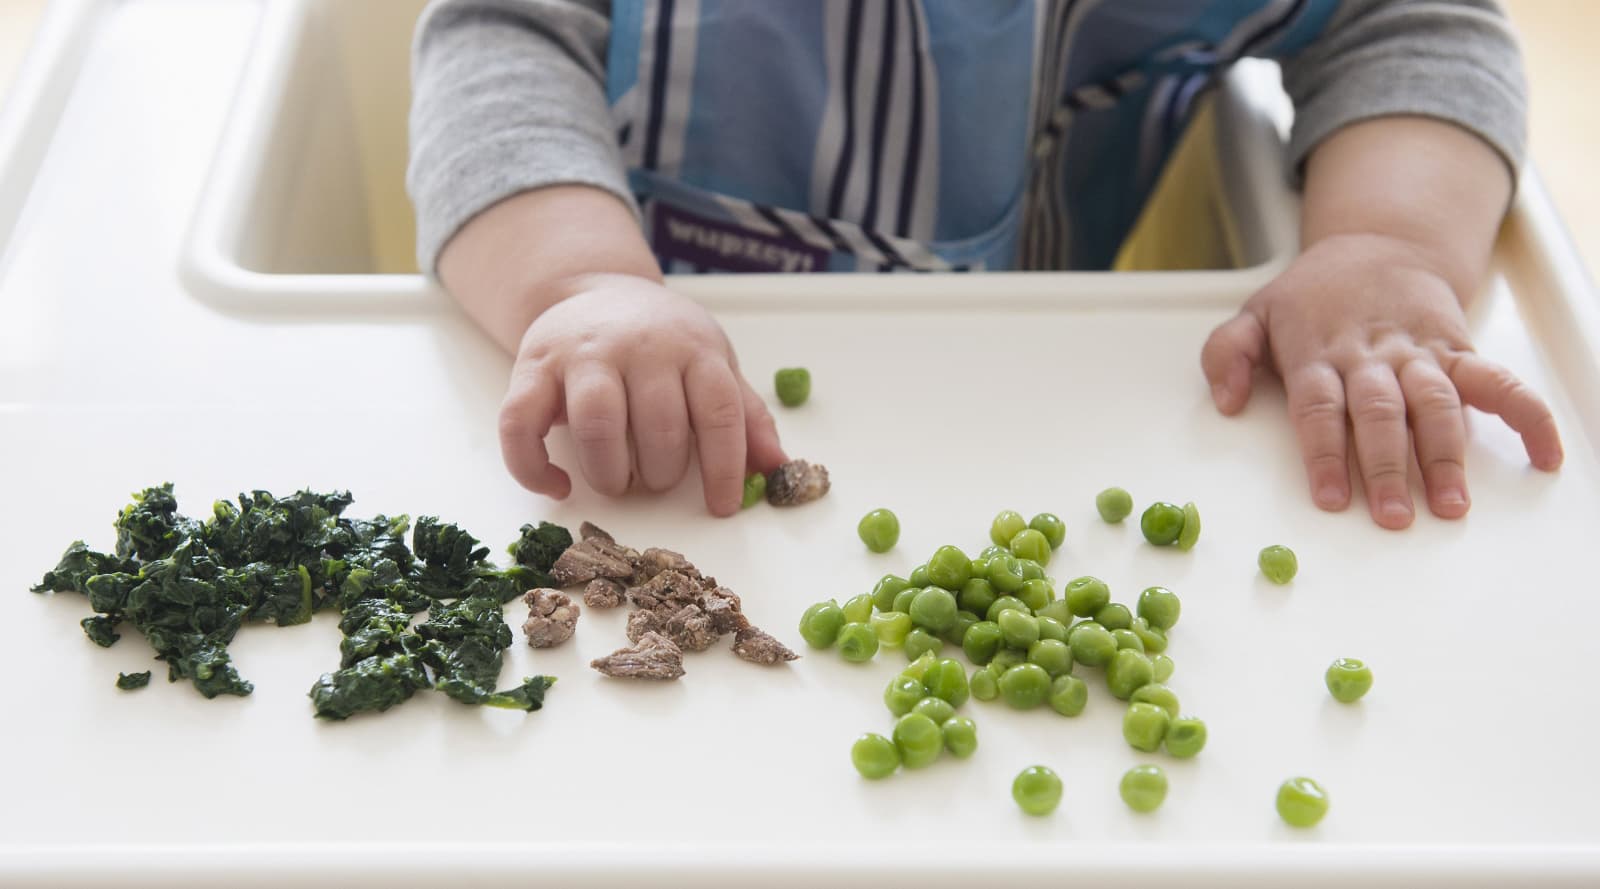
x=1396 y=508
x=1329 y=495
x=1452 y=497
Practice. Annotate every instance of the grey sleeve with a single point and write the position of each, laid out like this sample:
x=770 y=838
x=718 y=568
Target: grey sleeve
x=507 y=96
x=1454 y=60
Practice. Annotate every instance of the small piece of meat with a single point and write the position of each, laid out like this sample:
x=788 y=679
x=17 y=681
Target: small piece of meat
x=796 y=482
x=655 y=560
x=591 y=558
x=652 y=657
x=666 y=587
x=552 y=618
x=757 y=647
x=589 y=531
x=643 y=621
x=722 y=606
x=691 y=629
x=603 y=592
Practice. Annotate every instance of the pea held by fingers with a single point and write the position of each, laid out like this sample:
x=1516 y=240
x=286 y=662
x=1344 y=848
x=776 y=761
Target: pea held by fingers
x=755 y=489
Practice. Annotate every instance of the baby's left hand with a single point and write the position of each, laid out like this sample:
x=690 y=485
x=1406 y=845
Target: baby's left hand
x=1359 y=327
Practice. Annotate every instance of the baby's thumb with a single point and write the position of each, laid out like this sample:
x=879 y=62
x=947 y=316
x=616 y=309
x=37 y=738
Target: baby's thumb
x=764 y=452
x=1230 y=355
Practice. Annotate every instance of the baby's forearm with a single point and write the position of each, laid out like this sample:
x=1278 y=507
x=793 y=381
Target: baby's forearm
x=1425 y=186
x=533 y=250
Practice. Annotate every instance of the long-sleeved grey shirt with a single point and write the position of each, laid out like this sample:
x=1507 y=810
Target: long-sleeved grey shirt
x=509 y=95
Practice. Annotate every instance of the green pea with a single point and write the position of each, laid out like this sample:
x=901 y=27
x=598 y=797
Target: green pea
x=1050 y=525
x=858 y=642
x=1115 y=616
x=934 y=609
x=1190 y=535
x=949 y=568
x=918 y=739
x=1186 y=737
x=892 y=628
x=874 y=756
x=1302 y=802
x=1005 y=574
x=1162 y=523
x=1128 y=639
x=1031 y=544
x=984 y=685
x=1037 y=790
x=993 y=550
x=1348 y=679
x=1092 y=645
x=1278 y=563
x=920 y=642
x=1068 y=695
x=1128 y=672
x=960 y=736
x=1086 y=595
x=1158 y=694
x=982 y=641
x=858 y=609
x=919 y=576
x=793 y=385
x=977 y=594
x=1036 y=594
x=946 y=680
x=903 y=599
x=1056 y=611
x=1114 y=504
x=1006 y=658
x=918 y=667
x=1050 y=628
x=1153 y=640
x=1053 y=655
x=1144 y=725
x=1143 y=788
x=886 y=589
x=936 y=709
x=1162 y=665
x=821 y=623
x=978 y=568
x=1006 y=525
x=1160 y=606
x=879 y=530
x=958 y=630
x=1019 y=628
x=755 y=489
x=1031 y=570
x=1006 y=603
x=1025 y=686
x=902 y=694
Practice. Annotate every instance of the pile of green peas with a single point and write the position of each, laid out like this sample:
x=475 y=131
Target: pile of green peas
x=923 y=699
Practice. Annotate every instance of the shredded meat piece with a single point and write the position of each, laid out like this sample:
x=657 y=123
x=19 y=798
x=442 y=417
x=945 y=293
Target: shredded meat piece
x=691 y=629
x=603 y=592
x=757 y=647
x=652 y=657
x=644 y=621
x=796 y=482
x=655 y=560
x=666 y=587
x=590 y=558
x=590 y=531
x=552 y=617
x=722 y=606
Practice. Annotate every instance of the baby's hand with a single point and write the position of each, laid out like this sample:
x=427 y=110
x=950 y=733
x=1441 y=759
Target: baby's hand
x=1358 y=326
x=640 y=374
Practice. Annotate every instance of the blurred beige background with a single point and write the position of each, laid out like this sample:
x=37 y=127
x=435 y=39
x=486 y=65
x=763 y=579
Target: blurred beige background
x=1562 y=66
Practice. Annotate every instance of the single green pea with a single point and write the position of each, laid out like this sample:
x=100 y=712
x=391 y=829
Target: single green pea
x=1037 y=790
x=960 y=736
x=821 y=623
x=1086 y=595
x=1006 y=658
x=983 y=639
x=1025 y=686
x=1160 y=606
x=1162 y=523
x=1068 y=695
x=1019 y=628
x=1092 y=645
x=1190 y=535
x=1186 y=737
x=1158 y=694
x=1005 y=573
x=1006 y=603
x=1128 y=639
x=1050 y=525
x=1050 y=628
x=1031 y=544
x=977 y=594
x=977 y=568
x=1302 y=802
x=1162 y=666
x=949 y=568
x=793 y=385
x=755 y=489
x=892 y=628
x=946 y=680
x=984 y=684
x=934 y=609
x=1036 y=594
x=919 y=576
x=1278 y=563
x=1114 y=616
x=936 y=709
x=1053 y=655
x=902 y=694
x=886 y=589
x=858 y=642
x=1144 y=725
x=1006 y=525
x=1153 y=640
x=1348 y=679
x=903 y=599
x=1031 y=570
x=920 y=642
x=874 y=756
x=858 y=609
x=918 y=666
x=918 y=739
x=879 y=530
x=1114 y=504
x=993 y=550
x=1143 y=788
x=1128 y=672
x=1056 y=611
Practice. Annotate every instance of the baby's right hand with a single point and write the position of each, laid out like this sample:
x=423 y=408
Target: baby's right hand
x=639 y=374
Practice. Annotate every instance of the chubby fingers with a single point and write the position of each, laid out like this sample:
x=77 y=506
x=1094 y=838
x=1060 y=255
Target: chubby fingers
x=1377 y=409
x=597 y=415
x=1491 y=388
x=1439 y=435
x=658 y=416
x=764 y=452
x=717 y=412
x=1316 y=395
x=532 y=403
x=1230 y=355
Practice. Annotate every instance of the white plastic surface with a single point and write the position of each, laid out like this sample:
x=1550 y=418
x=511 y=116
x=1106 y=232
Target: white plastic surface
x=1470 y=764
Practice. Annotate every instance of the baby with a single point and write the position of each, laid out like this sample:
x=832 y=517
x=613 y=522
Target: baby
x=567 y=152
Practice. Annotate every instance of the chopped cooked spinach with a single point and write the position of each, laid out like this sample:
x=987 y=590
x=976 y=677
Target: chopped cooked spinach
x=131 y=681
x=188 y=586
